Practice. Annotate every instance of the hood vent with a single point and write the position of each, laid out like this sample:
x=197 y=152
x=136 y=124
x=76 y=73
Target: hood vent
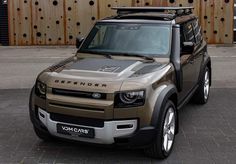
x=109 y=69
x=102 y=65
x=147 y=69
x=61 y=64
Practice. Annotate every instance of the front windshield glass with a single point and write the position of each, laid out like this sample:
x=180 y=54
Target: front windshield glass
x=140 y=39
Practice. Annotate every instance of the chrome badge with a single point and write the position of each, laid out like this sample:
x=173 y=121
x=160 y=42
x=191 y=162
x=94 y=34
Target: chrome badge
x=97 y=95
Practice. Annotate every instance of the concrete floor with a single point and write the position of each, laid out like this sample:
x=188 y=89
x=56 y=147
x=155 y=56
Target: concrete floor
x=19 y=66
x=207 y=133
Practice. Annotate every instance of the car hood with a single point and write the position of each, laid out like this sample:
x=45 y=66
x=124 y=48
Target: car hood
x=98 y=73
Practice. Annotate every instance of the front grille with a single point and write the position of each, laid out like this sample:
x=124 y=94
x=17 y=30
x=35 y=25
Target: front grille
x=76 y=107
x=77 y=120
x=80 y=94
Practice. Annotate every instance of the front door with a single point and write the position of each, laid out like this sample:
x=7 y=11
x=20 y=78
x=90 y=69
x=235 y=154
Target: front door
x=187 y=61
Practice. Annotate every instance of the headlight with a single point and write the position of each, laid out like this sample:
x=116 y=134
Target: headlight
x=40 y=89
x=129 y=99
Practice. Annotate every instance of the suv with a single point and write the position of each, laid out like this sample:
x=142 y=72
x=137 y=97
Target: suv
x=126 y=83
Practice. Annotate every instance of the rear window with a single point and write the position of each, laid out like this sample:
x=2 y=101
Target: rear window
x=188 y=32
x=197 y=31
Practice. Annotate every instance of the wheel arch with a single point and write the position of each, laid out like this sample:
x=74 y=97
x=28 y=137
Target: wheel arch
x=206 y=63
x=169 y=93
x=209 y=67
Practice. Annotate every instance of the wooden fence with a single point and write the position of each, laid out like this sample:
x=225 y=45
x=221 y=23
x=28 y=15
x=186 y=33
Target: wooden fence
x=58 y=22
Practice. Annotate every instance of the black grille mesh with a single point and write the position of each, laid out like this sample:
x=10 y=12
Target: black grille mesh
x=77 y=120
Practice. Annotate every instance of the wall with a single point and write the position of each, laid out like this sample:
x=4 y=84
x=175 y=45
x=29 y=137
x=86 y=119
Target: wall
x=58 y=22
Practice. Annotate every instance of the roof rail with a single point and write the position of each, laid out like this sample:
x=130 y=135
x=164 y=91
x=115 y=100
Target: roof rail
x=173 y=10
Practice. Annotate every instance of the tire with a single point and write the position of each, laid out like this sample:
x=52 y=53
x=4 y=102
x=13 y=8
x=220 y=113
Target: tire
x=159 y=149
x=43 y=135
x=202 y=94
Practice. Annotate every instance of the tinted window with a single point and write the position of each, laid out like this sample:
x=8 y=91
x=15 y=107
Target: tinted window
x=197 y=31
x=188 y=32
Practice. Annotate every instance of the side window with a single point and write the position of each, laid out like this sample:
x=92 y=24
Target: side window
x=188 y=32
x=197 y=31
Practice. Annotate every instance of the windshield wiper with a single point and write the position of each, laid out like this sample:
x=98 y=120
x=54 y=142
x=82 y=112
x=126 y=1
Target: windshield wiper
x=149 y=58
x=107 y=55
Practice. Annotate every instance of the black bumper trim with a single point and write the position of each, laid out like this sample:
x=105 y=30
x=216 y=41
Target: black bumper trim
x=142 y=138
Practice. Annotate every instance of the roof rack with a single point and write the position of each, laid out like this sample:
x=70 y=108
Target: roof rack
x=172 y=10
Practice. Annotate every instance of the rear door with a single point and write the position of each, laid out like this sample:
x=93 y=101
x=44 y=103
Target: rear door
x=187 y=60
x=191 y=63
x=200 y=48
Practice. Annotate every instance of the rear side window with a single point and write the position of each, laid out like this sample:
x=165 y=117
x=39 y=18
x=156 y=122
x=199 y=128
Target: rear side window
x=188 y=32
x=197 y=31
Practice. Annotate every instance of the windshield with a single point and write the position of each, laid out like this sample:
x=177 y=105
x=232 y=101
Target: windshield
x=141 y=39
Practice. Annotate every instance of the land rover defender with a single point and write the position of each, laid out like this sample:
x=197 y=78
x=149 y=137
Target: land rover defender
x=127 y=81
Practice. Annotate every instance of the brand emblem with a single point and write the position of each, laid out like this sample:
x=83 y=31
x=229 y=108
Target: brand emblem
x=97 y=95
x=81 y=83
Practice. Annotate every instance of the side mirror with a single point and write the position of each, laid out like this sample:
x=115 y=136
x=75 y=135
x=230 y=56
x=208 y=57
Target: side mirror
x=188 y=48
x=79 y=41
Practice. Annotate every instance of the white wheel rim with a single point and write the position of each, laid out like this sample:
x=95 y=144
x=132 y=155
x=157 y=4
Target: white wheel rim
x=169 y=130
x=206 y=85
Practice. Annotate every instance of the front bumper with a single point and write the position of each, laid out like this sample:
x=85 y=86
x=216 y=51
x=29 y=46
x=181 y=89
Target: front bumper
x=103 y=135
x=107 y=135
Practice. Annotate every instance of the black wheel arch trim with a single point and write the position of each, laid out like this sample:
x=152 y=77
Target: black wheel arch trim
x=31 y=111
x=162 y=99
x=206 y=62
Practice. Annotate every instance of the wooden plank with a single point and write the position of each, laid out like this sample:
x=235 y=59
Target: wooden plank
x=182 y=3
x=80 y=16
x=126 y=3
x=48 y=22
x=58 y=22
x=216 y=20
x=225 y=17
x=105 y=8
x=88 y=13
x=20 y=31
x=11 y=24
x=194 y=3
x=73 y=22
x=141 y=3
x=106 y=5
x=39 y=24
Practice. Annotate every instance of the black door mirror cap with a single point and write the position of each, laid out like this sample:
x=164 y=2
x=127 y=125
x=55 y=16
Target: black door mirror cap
x=79 y=41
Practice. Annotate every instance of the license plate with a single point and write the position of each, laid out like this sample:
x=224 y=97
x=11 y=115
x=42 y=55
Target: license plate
x=75 y=131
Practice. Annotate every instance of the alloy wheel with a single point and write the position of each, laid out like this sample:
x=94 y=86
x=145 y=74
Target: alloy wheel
x=169 y=130
x=206 y=85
